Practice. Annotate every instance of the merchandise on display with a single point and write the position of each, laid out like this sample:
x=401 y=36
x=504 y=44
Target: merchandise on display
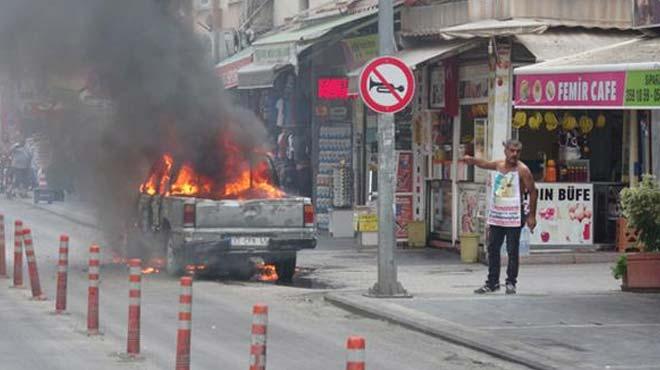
x=335 y=146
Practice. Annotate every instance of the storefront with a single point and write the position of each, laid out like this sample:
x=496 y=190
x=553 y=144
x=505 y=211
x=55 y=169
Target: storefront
x=453 y=194
x=587 y=124
x=310 y=129
x=423 y=142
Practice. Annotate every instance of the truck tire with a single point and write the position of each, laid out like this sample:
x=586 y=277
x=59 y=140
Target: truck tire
x=285 y=269
x=173 y=263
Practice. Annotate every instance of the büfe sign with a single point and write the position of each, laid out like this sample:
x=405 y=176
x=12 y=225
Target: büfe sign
x=564 y=214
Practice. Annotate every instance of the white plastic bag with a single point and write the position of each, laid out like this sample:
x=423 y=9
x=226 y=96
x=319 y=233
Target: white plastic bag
x=524 y=241
x=523 y=246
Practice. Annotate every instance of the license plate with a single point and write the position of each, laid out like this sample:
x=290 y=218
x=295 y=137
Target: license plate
x=249 y=241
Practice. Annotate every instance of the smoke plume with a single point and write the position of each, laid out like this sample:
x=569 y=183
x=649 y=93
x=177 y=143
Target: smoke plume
x=148 y=62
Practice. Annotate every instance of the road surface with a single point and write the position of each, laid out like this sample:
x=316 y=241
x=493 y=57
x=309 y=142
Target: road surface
x=304 y=331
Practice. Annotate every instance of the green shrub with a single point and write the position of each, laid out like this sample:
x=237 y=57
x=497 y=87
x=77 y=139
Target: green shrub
x=619 y=270
x=641 y=207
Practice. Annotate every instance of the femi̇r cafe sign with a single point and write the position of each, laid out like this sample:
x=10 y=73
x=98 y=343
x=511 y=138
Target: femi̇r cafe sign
x=614 y=90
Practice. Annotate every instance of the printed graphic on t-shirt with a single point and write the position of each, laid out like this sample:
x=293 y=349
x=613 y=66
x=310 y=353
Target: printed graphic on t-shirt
x=505 y=202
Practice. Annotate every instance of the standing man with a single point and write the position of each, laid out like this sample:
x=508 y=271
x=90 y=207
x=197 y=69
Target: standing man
x=20 y=168
x=506 y=216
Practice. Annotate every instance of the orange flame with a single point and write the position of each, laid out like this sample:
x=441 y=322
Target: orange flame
x=189 y=183
x=150 y=270
x=252 y=184
x=191 y=269
x=245 y=181
x=159 y=177
x=267 y=273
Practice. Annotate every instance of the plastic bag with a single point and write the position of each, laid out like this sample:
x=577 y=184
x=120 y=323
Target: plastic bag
x=525 y=236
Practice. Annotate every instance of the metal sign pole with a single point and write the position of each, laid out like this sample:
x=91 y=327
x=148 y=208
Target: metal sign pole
x=387 y=284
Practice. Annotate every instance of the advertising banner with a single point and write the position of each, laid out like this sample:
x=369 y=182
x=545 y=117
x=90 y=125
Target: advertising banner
x=588 y=89
x=359 y=50
x=403 y=215
x=229 y=72
x=616 y=89
x=642 y=89
x=404 y=173
x=368 y=223
x=564 y=214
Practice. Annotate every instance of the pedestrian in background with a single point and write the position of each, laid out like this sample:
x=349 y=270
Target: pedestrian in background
x=510 y=179
x=20 y=168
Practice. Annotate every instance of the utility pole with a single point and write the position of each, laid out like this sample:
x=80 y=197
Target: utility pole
x=387 y=284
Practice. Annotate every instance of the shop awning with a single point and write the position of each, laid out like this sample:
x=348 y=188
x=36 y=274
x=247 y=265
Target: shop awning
x=259 y=76
x=227 y=69
x=274 y=52
x=621 y=76
x=638 y=53
x=302 y=34
x=561 y=42
x=416 y=56
x=486 y=28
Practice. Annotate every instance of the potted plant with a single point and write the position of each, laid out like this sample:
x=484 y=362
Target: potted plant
x=619 y=271
x=641 y=207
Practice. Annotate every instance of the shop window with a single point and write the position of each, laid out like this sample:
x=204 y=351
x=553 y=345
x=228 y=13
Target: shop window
x=583 y=146
x=442 y=131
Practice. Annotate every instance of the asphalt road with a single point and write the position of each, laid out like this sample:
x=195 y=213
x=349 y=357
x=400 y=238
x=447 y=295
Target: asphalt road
x=304 y=331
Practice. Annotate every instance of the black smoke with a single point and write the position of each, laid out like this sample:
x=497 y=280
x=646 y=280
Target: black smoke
x=146 y=59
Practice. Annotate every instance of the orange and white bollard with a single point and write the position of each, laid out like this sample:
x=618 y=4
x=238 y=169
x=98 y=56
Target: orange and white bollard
x=32 y=266
x=18 y=254
x=3 y=251
x=93 y=290
x=134 y=295
x=185 y=325
x=355 y=353
x=62 y=275
x=258 y=340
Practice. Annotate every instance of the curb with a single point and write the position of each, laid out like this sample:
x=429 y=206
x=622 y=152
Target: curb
x=514 y=352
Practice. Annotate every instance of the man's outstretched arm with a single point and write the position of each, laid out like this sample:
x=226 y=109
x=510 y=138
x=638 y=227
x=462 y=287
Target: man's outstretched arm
x=487 y=165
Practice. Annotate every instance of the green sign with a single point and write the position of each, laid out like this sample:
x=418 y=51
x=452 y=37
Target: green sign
x=359 y=50
x=642 y=89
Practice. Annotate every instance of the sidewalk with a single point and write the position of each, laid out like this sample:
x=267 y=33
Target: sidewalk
x=563 y=317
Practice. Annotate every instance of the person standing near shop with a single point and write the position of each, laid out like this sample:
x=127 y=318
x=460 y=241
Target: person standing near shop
x=510 y=179
x=20 y=168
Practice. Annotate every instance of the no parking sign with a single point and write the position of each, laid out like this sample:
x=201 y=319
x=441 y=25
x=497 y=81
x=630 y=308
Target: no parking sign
x=387 y=85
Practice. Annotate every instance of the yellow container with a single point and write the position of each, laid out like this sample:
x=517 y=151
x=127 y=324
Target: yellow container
x=469 y=247
x=417 y=234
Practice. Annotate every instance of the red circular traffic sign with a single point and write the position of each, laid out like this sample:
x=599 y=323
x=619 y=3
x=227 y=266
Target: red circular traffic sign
x=387 y=85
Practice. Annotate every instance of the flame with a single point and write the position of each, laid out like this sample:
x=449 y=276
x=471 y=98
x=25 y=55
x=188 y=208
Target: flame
x=159 y=177
x=154 y=266
x=267 y=273
x=189 y=183
x=191 y=269
x=253 y=183
x=150 y=270
x=242 y=179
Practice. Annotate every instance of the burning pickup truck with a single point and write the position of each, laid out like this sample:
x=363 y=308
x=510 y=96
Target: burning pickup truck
x=228 y=223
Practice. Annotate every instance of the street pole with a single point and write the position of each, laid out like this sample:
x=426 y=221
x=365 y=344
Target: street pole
x=387 y=284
